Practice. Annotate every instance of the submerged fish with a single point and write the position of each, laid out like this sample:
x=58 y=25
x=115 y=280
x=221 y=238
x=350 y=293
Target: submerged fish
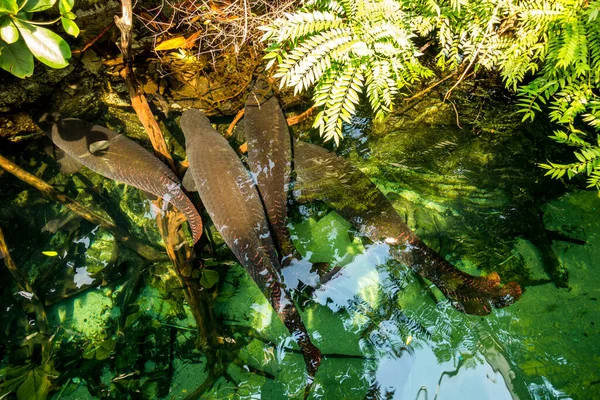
x=233 y=203
x=270 y=158
x=322 y=175
x=116 y=157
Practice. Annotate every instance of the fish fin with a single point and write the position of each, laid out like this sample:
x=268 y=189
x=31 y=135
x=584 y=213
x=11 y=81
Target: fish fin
x=188 y=182
x=101 y=146
x=66 y=163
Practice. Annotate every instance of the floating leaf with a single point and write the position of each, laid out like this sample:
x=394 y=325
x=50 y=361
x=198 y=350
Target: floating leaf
x=16 y=59
x=8 y=31
x=38 y=5
x=8 y=6
x=70 y=27
x=45 y=45
x=50 y=253
x=209 y=278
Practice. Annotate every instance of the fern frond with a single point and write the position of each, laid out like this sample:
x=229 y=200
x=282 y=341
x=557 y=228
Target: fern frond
x=340 y=97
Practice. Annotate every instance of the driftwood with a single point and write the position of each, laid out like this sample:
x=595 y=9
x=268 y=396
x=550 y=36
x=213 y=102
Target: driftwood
x=176 y=246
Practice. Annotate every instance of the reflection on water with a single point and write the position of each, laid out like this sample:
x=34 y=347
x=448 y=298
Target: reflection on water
x=120 y=327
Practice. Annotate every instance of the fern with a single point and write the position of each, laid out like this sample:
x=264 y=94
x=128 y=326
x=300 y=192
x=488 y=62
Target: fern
x=353 y=49
x=345 y=48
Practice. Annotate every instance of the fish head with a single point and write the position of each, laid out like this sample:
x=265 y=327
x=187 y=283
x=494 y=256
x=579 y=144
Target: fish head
x=260 y=93
x=193 y=123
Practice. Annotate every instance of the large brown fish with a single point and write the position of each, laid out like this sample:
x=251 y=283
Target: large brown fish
x=322 y=175
x=270 y=158
x=233 y=203
x=116 y=157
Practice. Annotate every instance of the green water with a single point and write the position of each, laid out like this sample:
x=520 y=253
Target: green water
x=121 y=328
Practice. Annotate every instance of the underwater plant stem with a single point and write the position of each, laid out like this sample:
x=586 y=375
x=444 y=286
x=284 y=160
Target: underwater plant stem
x=38 y=305
x=147 y=252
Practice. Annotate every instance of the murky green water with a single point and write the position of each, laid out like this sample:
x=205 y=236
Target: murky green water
x=121 y=328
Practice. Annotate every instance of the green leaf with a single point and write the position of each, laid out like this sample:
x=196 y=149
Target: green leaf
x=209 y=278
x=70 y=27
x=65 y=6
x=8 y=32
x=38 y=5
x=45 y=45
x=8 y=7
x=16 y=59
x=36 y=385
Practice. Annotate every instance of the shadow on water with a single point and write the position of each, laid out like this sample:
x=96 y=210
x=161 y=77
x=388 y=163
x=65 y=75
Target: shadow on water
x=473 y=195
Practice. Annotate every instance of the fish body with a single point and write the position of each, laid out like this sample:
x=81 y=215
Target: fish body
x=234 y=205
x=270 y=158
x=119 y=158
x=322 y=175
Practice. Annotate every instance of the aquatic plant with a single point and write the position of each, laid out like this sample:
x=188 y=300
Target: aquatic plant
x=21 y=38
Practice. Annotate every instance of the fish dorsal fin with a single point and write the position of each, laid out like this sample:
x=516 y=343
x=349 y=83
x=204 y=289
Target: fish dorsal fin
x=66 y=163
x=188 y=181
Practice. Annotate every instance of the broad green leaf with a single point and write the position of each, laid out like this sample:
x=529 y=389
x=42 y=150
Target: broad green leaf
x=70 y=27
x=45 y=45
x=8 y=31
x=38 y=5
x=209 y=278
x=16 y=59
x=36 y=385
x=70 y=15
x=65 y=6
x=8 y=7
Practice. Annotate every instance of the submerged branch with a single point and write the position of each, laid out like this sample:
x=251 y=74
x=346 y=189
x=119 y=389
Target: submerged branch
x=169 y=224
x=147 y=252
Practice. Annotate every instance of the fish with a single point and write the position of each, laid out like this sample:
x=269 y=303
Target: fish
x=325 y=176
x=119 y=158
x=270 y=158
x=233 y=203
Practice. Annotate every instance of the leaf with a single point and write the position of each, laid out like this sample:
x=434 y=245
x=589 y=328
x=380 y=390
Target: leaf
x=70 y=27
x=45 y=45
x=50 y=253
x=170 y=44
x=9 y=6
x=38 y=5
x=16 y=59
x=35 y=386
x=209 y=278
x=8 y=32
x=65 y=6
x=105 y=349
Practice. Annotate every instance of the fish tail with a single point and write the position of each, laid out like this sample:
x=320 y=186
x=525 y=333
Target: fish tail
x=185 y=205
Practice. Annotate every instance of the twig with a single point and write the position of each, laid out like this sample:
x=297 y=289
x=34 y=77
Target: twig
x=237 y=118
x=456 y=113
x=138 y=100
x=299 y=118
x=147 y=252
x=94 y=40
x=462 y=76
x=429 y=88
